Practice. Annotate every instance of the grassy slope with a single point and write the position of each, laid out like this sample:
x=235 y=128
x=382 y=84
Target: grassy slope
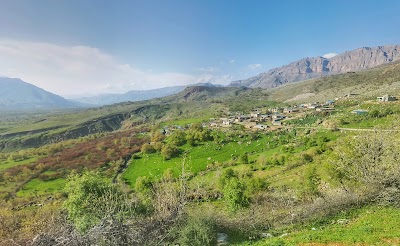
x=367 y=226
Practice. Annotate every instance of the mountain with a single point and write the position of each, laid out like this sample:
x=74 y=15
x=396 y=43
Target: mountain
x=136 y=95
x=17 y=94
x=317 y=67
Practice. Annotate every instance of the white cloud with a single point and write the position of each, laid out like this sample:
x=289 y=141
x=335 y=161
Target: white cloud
x=215 y=79
x=208 y=69
x=254 y=66
x=329 y=55
x=232 y=61
x=78 y=69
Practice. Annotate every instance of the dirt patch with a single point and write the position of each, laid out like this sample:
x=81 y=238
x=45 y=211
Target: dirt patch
x=301 y=96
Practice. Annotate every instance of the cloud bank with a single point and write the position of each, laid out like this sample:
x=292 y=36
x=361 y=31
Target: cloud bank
x=329 y=55
x=72 y=70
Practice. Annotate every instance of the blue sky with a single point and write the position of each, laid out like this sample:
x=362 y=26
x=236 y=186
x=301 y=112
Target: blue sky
x=97 y=46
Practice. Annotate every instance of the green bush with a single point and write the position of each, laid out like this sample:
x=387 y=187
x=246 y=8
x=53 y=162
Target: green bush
x=92 y=198
x=234 y=194
x=198 y=232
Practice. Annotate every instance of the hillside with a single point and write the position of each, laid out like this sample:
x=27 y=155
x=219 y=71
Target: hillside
x=133 y=96
x=137 y=95
x=382 y=80
x=317 y=67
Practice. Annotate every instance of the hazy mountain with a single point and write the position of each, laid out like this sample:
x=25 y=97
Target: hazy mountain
x=316 y=67
x=135 y=95
x=17 y=94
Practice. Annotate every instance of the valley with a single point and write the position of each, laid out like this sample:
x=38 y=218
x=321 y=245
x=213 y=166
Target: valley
x=256 y=166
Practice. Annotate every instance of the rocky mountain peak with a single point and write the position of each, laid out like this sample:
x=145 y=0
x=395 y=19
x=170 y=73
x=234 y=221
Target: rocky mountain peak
x=316 y=67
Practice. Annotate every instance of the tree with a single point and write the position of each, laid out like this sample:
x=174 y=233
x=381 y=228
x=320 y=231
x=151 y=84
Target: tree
x=147 y=148
x=177 y=138
x=91 y=198
x=168 y=151
x=371 y=158
x=157 y=136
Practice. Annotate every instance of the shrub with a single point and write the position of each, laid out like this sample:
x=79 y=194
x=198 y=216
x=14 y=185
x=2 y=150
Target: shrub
x=234 y=194
x=198 y=232
x=92 y=198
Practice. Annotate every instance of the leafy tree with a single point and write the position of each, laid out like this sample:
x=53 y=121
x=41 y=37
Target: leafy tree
x=157 y=136
x=177 y=138
x=168 y=151
x=92 y=198
x=147 y=148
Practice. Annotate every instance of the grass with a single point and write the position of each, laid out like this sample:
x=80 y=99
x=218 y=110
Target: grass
x=38 y=187
x=8 y=164
x=198 y=158
x=371 y=226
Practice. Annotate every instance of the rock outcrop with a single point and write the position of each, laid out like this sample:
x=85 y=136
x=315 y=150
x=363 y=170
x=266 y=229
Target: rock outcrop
x=316 y=67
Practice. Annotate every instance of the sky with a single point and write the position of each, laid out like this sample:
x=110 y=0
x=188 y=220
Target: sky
x=87 y=47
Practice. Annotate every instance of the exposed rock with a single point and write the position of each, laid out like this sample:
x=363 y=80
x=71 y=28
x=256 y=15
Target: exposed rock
x=342 y=221
x=222 y=239
x=316 y=67
x=266 y=235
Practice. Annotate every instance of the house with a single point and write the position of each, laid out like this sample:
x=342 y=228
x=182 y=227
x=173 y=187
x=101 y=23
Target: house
x=277 y=116
x=276 y=123
x=214 y=124
x=325 y=109
x=330 y=102
x=290 y=110
x=260 y=127
x=227 y=122
x=350 y=95
x=359 y=111
x=255 y=115
x=386 y=98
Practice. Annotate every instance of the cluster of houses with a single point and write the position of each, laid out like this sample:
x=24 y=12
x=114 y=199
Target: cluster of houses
x=386 y=98
x=258 y=119
x=273 y=117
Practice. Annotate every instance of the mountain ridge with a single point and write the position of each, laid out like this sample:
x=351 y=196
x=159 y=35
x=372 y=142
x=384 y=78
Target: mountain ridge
x=317 y=67
x=16 y=94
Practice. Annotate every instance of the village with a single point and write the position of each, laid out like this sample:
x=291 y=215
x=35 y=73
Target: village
x=264 y=119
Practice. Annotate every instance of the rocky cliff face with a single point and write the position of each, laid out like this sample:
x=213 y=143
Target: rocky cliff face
x=316 y=67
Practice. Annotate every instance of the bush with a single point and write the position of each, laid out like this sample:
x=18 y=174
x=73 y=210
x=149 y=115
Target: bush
x=234 y=194
x=92 y=198
x=147 y=148
x=198 y=232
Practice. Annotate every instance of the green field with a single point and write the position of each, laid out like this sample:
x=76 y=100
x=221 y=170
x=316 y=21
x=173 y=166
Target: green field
x=38 y=187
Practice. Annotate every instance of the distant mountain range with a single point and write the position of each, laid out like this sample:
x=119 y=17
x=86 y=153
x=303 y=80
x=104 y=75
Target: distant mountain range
x=317 y=67
x=136 y=95
x=16 y=94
